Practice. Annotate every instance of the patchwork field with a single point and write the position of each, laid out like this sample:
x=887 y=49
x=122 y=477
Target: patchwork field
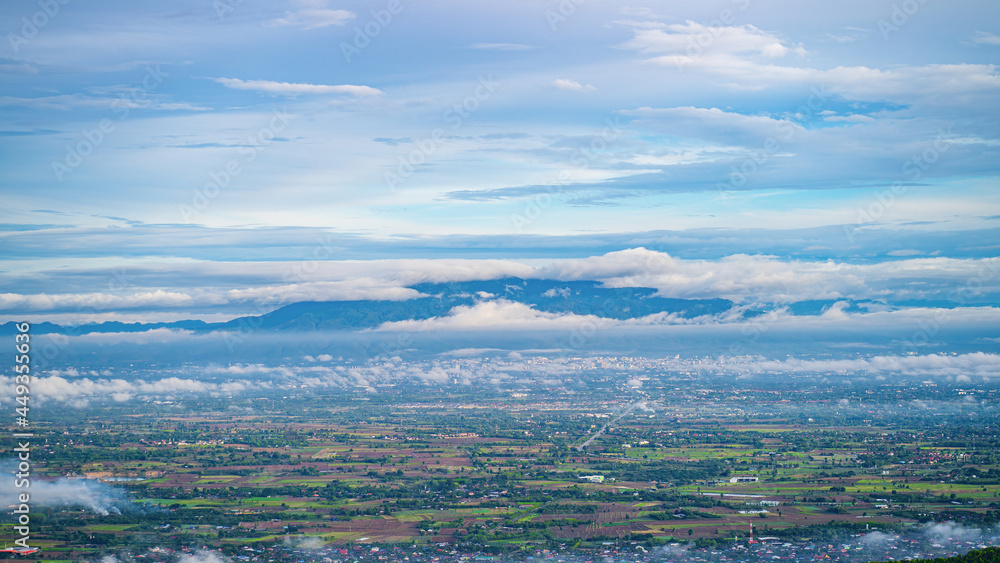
x=505 y=478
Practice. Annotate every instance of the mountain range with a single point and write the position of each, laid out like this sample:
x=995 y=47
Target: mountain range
x=438 y=299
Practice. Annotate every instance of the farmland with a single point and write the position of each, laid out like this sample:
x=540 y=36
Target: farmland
x=498 y=471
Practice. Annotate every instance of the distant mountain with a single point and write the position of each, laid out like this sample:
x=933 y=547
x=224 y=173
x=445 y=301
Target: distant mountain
x=581 y=298
x=578 y=297
x=339 y=315
x=550 y=296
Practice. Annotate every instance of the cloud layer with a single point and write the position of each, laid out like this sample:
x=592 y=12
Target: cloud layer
x=467 y=368
x=288 y=89
x=746 y=279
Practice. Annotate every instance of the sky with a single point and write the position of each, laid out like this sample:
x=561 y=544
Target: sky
x=204 y=159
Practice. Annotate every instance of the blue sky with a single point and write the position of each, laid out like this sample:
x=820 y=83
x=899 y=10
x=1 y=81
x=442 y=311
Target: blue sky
x=188 y=141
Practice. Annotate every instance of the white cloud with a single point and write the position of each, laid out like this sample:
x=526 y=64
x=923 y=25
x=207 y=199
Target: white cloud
x=737 y=277
x=98 y=301
x=976 y=364
x=740 y=277
x=743 y=57
x=352 y=290
x=853 y=34
x=743 y=277
x=462 y=366
x=500 y=46
x=713 y=124
x=572 y=85
x=473 y=352
x=66 y=102
x=357 y=289
x=243 y=371
x=680 y=43
x=61 y=389
x=497 y=315
x=204 y=557
x=502 y=315
x=986 y=38
x=16 y=66
x=294 y=89
x=311 y=14
x=154 y=336
x=564 y=293
x=963 y=82
x=853 y=118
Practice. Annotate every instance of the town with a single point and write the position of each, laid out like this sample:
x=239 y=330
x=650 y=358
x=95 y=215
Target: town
x=635 y=456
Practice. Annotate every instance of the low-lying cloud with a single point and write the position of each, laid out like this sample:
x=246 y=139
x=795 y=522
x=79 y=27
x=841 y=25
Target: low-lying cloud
x=260 y=379
x=742 y=278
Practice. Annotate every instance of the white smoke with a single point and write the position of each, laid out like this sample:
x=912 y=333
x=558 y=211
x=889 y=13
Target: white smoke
x=950 y=531
x=304 y=542
x=644 y=407
x=673 y=551
x=99 y=498
x=876 y=538
x=204 y=557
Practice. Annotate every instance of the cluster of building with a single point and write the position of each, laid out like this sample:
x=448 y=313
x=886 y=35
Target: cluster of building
x=872 y=546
